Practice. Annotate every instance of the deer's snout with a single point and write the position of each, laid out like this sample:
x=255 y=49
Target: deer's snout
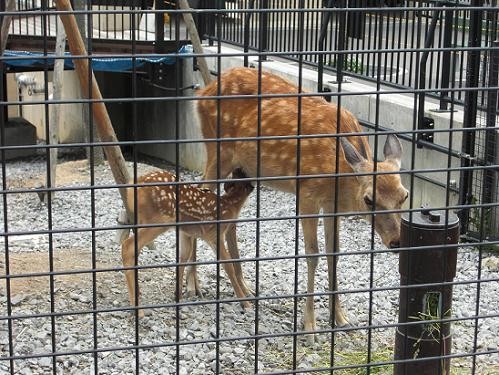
x=394 y=244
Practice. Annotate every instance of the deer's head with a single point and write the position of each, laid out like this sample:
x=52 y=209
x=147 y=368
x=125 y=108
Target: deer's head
x=238 y=188
x=390 y=193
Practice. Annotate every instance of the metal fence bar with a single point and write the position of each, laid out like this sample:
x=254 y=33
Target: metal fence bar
x=393 y=73
x=210 y=334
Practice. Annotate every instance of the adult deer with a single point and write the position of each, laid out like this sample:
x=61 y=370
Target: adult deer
x=278 y=116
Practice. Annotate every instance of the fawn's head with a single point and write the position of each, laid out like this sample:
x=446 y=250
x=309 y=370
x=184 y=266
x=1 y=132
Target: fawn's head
x=390 y=193
x=242 y=188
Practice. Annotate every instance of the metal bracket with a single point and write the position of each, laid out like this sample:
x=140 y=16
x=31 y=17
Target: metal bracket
x=427 y=123
x=327 y=98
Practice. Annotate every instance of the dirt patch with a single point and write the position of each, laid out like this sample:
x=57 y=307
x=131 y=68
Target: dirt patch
x=67 y=174
x=38 y=262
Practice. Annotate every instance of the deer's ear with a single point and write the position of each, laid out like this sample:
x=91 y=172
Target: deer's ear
x=393 y=150
x=353 y=157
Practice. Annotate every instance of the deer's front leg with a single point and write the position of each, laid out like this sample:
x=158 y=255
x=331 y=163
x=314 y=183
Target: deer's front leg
x=311 y=248
x=332 y=236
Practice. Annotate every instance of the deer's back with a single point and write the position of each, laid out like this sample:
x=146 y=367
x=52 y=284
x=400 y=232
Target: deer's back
x=274 y=117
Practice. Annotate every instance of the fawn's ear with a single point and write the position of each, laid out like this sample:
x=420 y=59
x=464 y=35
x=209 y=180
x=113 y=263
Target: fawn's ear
x=393 y=150
x=352 y=156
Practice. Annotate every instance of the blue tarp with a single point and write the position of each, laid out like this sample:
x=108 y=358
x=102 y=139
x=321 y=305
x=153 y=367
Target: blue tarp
x=116 y=64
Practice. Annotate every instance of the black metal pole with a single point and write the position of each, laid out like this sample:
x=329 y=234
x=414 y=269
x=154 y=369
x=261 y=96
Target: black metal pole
x=160 y=27
x=247 y=20
x=422 y=70
x=426 y=307
x=446 y=59
x=263 y=30
x=470 y=110
x=326 y=17
x=342 y=35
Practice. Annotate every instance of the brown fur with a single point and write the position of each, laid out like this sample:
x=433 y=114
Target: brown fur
x=249 y=117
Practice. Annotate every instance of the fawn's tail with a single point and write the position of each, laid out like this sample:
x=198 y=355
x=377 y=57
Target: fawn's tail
x=123 y=233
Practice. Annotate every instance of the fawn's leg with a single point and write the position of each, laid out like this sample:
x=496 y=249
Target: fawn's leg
x=332 y=239
x=210 y=173
x=186 y=253
x=311 y=248
x=144 y=236
x=188 y=245
x=231 y=239
x=229 y=269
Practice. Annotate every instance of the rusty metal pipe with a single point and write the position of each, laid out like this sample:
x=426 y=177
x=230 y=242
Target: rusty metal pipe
x=425 y=305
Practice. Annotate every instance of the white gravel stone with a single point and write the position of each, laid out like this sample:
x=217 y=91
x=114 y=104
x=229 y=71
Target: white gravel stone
x=72 y=210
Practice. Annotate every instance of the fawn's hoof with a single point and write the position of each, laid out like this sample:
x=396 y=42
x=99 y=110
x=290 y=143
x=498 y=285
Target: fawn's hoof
x=140 y=312
x=191 y=293
x=246 y=305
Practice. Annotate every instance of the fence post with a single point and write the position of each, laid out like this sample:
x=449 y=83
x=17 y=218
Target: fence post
x=341 y=35
x=325 y=18
x=247 y=20
x=470 y=110
x=491 y=153
x=446 y=59
x=8 y=6
x=263 y=30
x=426 y=306
x=159 y=25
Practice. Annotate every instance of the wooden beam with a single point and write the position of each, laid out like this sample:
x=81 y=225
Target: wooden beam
x=55 y=113
x=101 y=117
x=10 y=6
x=196 y=42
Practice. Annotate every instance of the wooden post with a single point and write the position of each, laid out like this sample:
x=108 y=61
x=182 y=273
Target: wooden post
x=55 y=113
x=104 y=127
x=10 y=6
x=98 y=155
x=196 y=42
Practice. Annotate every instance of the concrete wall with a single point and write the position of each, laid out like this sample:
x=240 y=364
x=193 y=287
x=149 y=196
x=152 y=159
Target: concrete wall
x=71 y=129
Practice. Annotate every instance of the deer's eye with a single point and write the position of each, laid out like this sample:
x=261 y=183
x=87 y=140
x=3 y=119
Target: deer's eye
x=368 y=200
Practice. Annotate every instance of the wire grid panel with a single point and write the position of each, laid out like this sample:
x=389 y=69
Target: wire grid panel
x=290 y=171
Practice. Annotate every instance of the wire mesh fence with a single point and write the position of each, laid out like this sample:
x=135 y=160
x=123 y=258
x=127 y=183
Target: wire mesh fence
x=359 y=33
x=364 y=127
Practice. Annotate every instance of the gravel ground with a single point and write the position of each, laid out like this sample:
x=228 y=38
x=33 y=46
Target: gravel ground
x=73 y=292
